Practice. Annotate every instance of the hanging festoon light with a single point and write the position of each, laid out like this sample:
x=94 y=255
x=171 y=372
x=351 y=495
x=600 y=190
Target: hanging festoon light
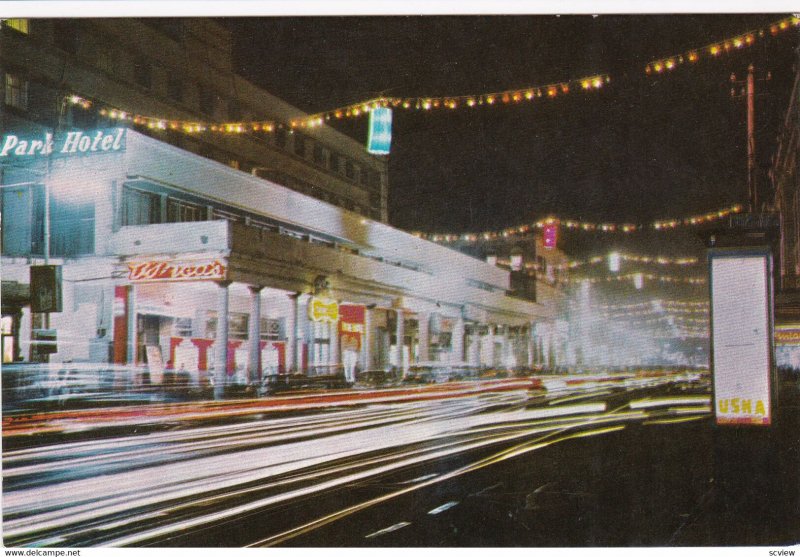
x=379 y=138
x=552 y=221
x=645 y=276
x=717 y=49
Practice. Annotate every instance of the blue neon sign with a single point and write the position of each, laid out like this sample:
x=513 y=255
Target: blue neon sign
x=379 y=139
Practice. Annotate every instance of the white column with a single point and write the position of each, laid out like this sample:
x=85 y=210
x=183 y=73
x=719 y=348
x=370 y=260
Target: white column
x=221 y=342
x=424 y=330
x=490 y=347
x=131 y=302
x=457 y=342
x=474 y=358
x=333 y=352
x=508 y=349
x=254 y=348
x=400 y=333
x=531 y=345
x=291 y=335
x=366 y=342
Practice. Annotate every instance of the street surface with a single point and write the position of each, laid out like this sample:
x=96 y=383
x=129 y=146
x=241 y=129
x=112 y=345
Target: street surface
x=487 y=463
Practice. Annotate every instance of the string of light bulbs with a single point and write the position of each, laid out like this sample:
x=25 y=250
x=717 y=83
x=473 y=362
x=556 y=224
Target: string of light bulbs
x=699 y=304
x=642 y=276
x=511 y=96
x=645 y=259
x=716 y=49
x=521 y=230
x=420 y=103
x=648 y=312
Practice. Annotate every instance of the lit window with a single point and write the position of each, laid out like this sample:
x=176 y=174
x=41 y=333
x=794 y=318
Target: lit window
x=16 y=92
x=300 y=145
x=20 y=25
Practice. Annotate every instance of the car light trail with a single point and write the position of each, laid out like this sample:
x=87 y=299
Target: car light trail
x=666 y=401
x=442 y=508
x=143 y=488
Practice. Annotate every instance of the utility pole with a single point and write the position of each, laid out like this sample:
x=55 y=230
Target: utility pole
x=751 y=140
x=749 y=92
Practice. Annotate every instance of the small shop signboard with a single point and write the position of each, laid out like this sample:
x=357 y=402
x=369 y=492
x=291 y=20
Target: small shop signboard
x=323 y=310
x=157 y=271
x=741 y=336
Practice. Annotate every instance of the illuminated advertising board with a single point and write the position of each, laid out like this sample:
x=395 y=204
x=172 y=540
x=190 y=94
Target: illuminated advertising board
x=380 y=131
x=153 y=271
x=323 y=310
x=741 y=337
x=550 y=235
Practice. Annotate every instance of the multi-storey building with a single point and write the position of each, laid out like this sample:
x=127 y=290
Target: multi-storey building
x=785 y=180
x=242 y=254
x=178 y=69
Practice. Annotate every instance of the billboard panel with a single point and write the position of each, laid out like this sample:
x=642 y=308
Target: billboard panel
x=741 y=337
x=379 y=139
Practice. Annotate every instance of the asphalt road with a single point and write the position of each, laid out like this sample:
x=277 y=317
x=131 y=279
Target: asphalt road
x=622 y=464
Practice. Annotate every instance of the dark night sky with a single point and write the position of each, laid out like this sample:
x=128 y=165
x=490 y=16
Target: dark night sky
x=640 y=149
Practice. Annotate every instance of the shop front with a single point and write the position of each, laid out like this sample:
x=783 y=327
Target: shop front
x=166 y=318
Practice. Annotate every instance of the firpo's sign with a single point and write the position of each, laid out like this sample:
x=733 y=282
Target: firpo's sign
x=171 y=270
x=70 y=143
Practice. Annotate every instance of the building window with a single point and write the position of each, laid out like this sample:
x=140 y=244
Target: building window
x=143 y=73
x=140 y=207
x=175 y=88
x=181 y=211
x=335 y=162
x=237 y=325
x=350 y=170
x=16 y=92
x=206 y=100
x=280 y=138
x=71 y=227
x=182 y=327
x=234 y=110
x=23 y=234
x=319 y=154
x=19 y=25
x=272 y=329
x=300 y=145
x=375 y=180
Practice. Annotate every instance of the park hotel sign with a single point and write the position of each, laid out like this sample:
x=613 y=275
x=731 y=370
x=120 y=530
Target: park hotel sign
x=68 y=144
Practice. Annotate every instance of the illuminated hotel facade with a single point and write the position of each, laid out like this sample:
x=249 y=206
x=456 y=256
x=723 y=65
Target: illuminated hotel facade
x=165 y=254
x=159 y=232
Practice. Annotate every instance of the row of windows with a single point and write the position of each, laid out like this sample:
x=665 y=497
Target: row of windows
x=175 y=89
x=304 y=147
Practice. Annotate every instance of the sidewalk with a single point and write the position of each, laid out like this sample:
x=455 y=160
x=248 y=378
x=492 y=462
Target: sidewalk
x=754 y=499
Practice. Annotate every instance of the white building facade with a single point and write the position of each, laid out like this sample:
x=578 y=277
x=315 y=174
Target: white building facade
x=229 y=277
